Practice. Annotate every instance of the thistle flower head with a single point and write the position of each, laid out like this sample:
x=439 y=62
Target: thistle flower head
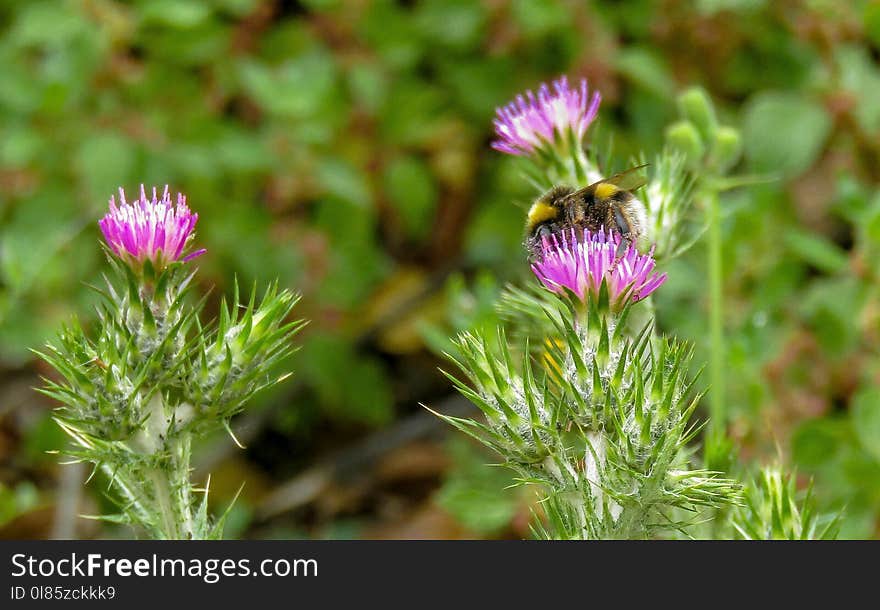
x=580 y=261
x=151 y=229
x=534 y=121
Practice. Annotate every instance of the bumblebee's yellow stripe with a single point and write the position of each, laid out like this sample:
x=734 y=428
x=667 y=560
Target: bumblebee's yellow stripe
x=604 y=190
x=541 y=212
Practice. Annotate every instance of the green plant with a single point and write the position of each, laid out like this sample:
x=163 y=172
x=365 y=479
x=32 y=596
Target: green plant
x=153 y=377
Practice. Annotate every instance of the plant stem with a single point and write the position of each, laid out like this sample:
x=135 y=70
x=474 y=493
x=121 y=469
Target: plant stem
x=127 y=490
x=717 y=413
x=173 y=491
x=181 y=483
x=167 y=514
x=170 y=480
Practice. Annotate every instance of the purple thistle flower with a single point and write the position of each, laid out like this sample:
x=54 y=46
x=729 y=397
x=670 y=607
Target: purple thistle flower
x=534 y=121
x=580 y=265
x=150 y=229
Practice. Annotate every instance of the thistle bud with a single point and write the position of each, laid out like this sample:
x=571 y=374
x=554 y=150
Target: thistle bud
x=727 y=148
x=696 y=107
x=684 y=137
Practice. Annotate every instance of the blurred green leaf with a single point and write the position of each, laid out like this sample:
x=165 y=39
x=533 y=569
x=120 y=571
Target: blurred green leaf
x=647 y=69
x=711 y=7
x=412 y=190
x=46 y=22
x=19 y=146
x=392 y=32
x=828 y=305
x=344 y=181
x=871 y=21
x=860 y=78
x=17 y=500
x=105 y=162
x=539 y=17
x=456 y=24
x=44 y=436
x=816 y=250
x=298 y=88
x=354 y=262
x=369 y=86
x=783 y=132
x=866 y=419
x=818 y=442
x=412 y=112
x=474 y=493
x=175 y=13
x=350 y=386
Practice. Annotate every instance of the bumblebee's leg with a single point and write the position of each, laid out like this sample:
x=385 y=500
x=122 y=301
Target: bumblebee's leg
x=535 y=242
x=622 y=223
x=622 y=247
x=625 y=235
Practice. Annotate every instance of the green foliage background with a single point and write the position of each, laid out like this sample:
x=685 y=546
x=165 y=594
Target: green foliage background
x=343 y=148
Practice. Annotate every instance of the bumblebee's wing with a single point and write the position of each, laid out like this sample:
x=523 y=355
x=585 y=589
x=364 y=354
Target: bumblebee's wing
x=628 y=180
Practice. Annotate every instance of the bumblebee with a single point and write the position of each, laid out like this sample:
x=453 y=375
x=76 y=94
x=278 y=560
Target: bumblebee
x=608 y=203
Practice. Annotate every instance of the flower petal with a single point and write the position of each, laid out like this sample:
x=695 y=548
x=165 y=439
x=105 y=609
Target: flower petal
x=530 y=121
x=580 y=261
x=153 y=228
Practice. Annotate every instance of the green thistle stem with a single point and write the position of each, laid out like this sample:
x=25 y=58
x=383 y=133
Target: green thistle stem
x=717 y=412
x=172 y=491
x=126 y=491
x=181 y=450
x=170 y=480
x=167 y=516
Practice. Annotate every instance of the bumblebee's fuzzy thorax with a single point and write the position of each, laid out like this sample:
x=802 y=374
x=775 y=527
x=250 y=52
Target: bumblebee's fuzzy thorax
x=548 y=208
x=541 y=212
x=604 y=190
x=608 y=204
x=546 y=217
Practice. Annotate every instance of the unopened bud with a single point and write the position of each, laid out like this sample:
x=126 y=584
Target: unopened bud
x=684 y=137
x=695 y=106
x=727 y=148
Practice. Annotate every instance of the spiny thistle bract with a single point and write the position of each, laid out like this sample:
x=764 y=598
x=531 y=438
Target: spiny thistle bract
x=774 y=510
x=151 y=377
x=668 y=200
x=602 y=424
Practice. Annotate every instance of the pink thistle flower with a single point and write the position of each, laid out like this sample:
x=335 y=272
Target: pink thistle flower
x=150 y=229
x=536 y=121
x=580 y=261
